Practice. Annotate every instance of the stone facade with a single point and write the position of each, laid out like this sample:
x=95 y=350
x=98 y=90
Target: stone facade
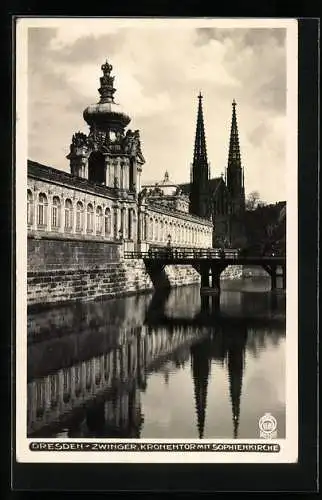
x=59 y=204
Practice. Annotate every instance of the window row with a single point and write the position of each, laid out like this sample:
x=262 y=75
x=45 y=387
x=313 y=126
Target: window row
x=176 y=233
x=80 y=218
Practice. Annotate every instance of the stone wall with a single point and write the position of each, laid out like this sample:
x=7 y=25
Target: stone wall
x=64 y=271
x=232 y=272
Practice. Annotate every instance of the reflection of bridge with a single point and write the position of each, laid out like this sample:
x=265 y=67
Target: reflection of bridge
x=209 y=263
x=209 y=314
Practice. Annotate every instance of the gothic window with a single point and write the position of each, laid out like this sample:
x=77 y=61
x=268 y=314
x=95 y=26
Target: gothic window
x=99 y=220
x=42 y=209
x=79 y=216
x=68 y=215
x=108 y=225
x=29 y=208
x=90 y=217
x=55 y=213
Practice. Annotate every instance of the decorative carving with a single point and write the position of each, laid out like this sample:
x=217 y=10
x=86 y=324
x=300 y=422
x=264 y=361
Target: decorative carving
x=142 y=195
x=97 y=139
x=79 y=141
x=132 y=143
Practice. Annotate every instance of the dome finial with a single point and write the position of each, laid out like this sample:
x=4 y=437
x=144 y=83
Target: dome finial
x=166 y=176
x=106 y=68
x=107 y=89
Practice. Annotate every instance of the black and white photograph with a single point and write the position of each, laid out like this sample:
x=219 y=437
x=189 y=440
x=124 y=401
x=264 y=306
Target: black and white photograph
x=156 y=187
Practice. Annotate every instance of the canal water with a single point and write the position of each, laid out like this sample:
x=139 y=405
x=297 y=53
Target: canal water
x=159 y=365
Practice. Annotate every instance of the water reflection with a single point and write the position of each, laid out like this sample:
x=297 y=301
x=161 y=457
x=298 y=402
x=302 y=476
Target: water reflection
x=161 y=366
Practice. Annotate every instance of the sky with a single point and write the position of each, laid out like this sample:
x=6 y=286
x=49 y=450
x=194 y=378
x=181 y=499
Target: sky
x=159 y=71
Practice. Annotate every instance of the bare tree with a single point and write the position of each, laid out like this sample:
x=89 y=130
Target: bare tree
x=253 y=200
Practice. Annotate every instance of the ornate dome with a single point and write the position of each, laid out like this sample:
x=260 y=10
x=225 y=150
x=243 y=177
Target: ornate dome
x=106 y=114
x=167 y=186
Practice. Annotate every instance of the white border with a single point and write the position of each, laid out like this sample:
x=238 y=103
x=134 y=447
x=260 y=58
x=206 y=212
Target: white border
x=289 y=446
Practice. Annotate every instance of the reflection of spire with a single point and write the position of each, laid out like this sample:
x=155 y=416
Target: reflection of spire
x=200 y=365
x=235 y=360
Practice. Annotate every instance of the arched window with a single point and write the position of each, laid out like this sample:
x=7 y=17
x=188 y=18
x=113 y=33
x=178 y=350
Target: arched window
x=123 y=228
x=55 y=213
x=68 y=215
x=30 y=215
x=151 y=229
x=130 y=222
x=90 y=217
x=42 y=209
x=107 y=223
x=157 y=230
x=134 y=225
x=161 y=231
x=99 y=220
x=79 y=216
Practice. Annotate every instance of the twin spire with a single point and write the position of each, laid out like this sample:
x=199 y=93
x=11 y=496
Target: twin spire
x=200 y=149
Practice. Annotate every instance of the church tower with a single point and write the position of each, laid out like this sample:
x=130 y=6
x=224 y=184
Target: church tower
x=199 y=191
x=234 y=171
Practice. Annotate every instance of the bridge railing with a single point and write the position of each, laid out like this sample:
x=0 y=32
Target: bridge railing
x=200 y=253
x=182 y=253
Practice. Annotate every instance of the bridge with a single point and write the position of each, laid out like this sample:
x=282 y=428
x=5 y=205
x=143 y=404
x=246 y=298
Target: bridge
x=210 y=263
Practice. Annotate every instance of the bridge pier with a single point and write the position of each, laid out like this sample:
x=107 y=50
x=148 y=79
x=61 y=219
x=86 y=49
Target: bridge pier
x=215 y=279
x=204 y=272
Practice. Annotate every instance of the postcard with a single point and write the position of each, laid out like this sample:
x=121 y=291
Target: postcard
x=156 y=240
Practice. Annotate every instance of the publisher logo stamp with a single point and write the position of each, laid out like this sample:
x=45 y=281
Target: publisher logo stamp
x=267 y=426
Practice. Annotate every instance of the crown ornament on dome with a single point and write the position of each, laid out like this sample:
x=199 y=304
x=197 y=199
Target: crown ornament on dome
x=107 y=89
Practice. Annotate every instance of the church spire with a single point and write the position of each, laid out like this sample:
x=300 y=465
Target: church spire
x=235 y=172
x=200 y=150
x=234 y=149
